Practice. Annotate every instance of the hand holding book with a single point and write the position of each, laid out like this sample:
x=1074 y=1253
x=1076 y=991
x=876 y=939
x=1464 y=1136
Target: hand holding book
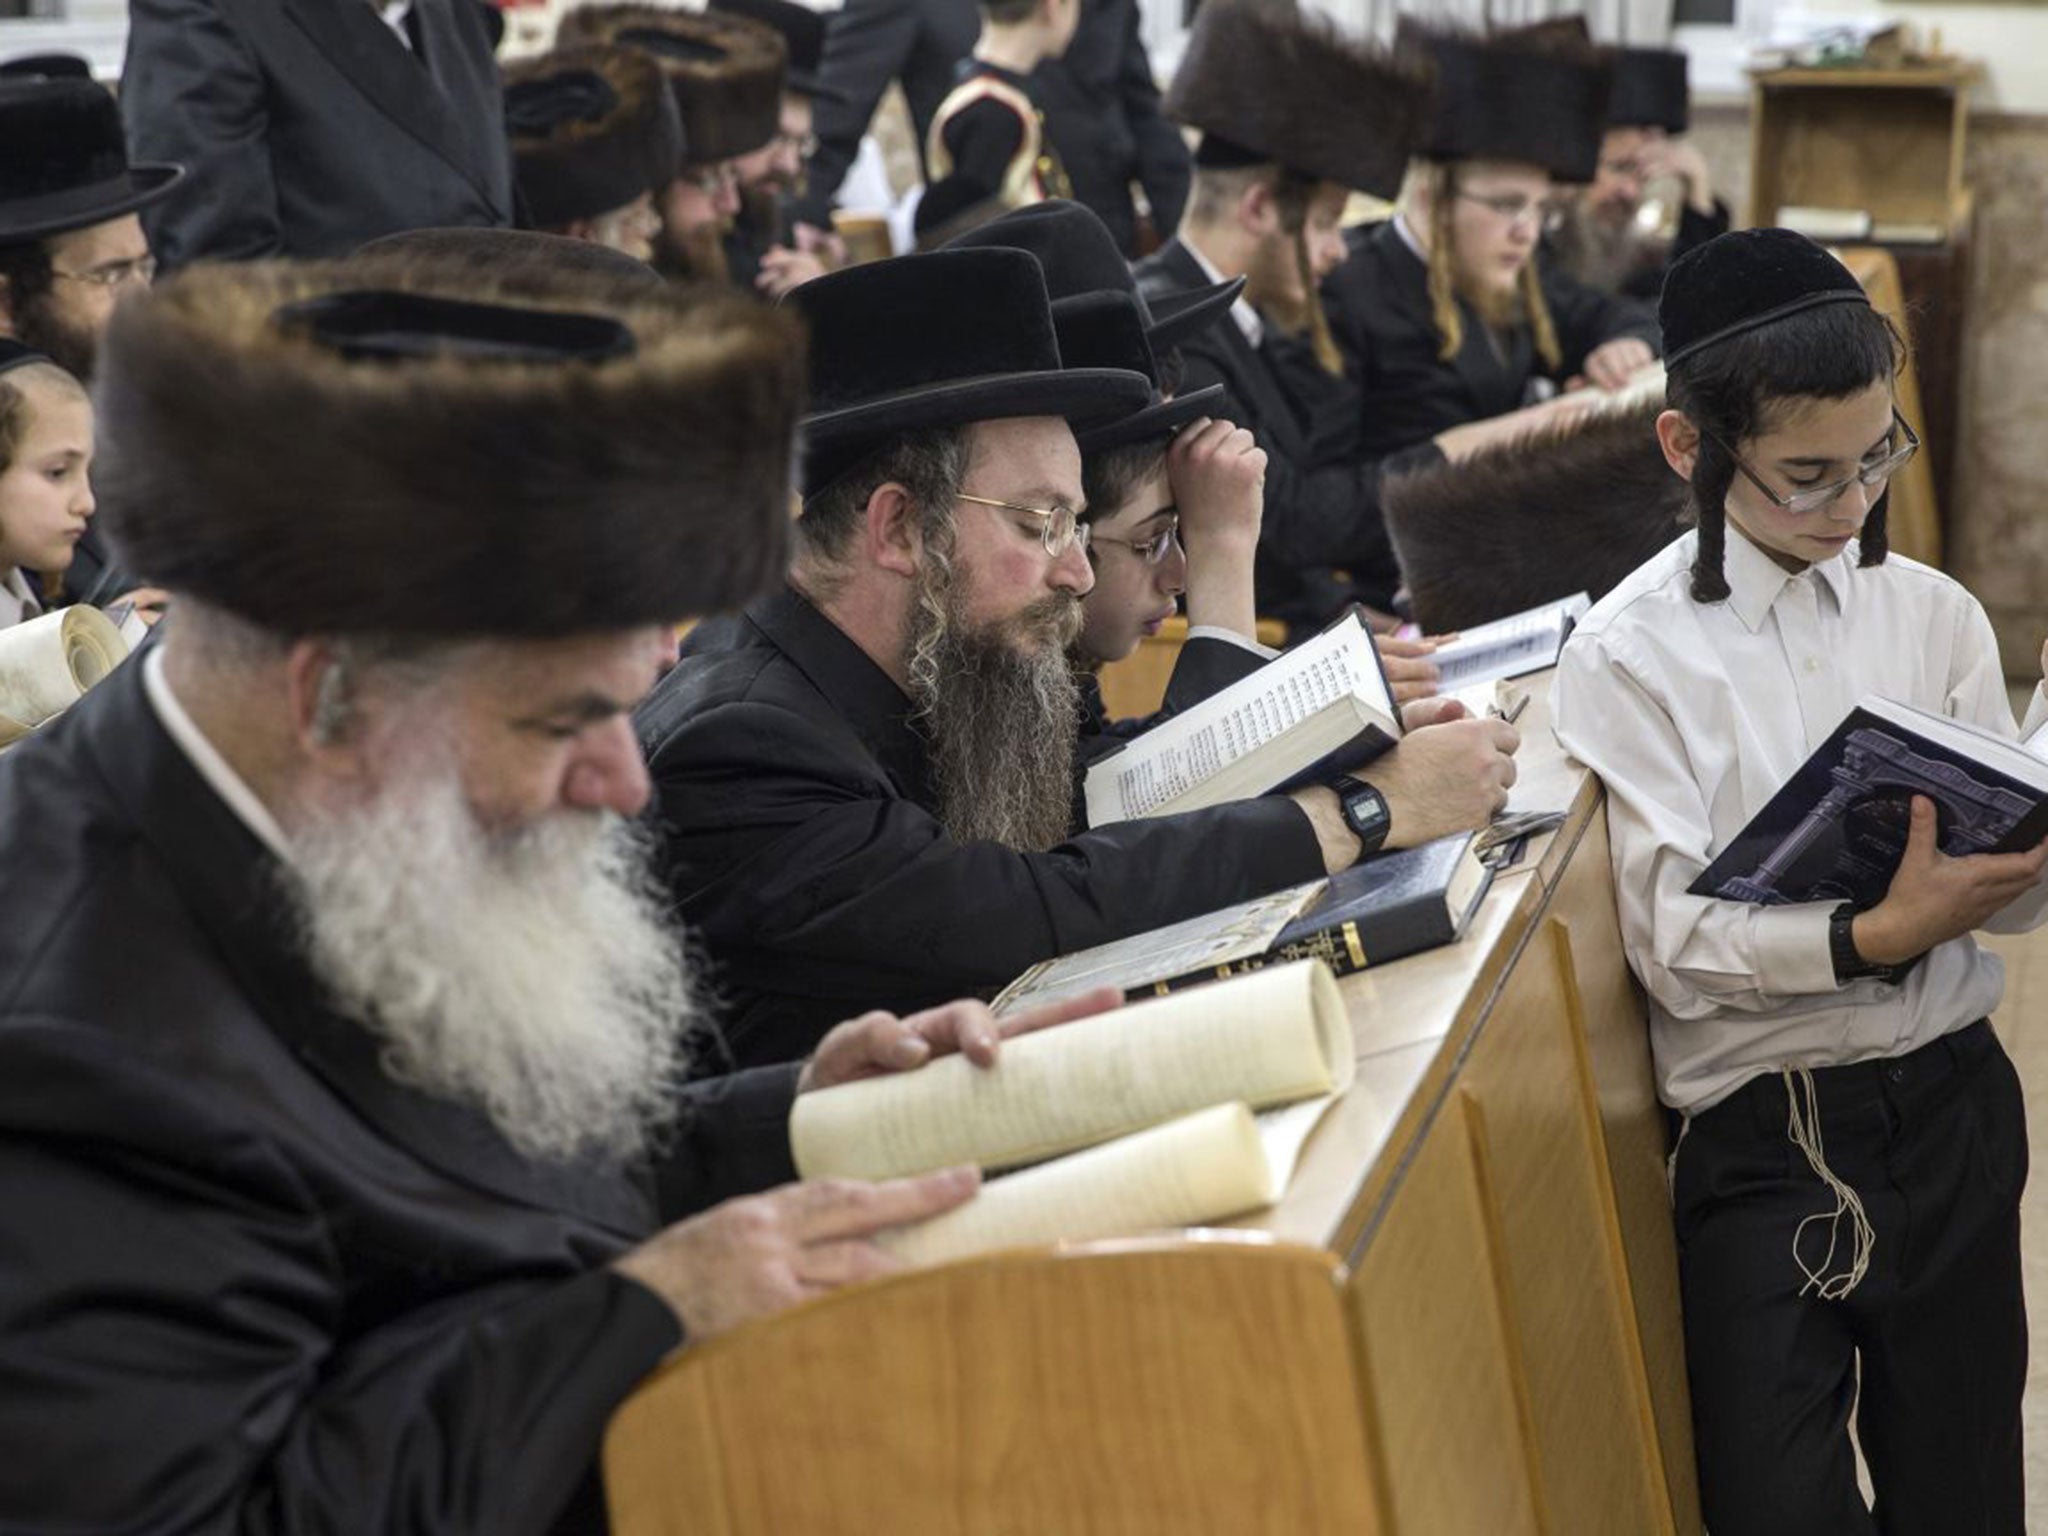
x=1934 y=898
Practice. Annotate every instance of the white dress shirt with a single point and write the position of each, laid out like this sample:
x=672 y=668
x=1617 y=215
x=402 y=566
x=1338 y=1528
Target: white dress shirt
x=206 y=758
x=1694 y=715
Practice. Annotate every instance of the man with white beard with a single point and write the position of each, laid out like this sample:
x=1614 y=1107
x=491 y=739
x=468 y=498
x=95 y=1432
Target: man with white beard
x=337 y=1025
x=866 y=781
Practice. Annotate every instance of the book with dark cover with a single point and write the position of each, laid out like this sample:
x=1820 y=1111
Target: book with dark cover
x=1837 y=830
x=1385 y=909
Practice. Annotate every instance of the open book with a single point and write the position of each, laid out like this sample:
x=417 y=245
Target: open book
x=1375 y=912
x=1303 y=718
x=1511 y=647
x=48 y=662
x=1161 y=1095
x=1837 y=830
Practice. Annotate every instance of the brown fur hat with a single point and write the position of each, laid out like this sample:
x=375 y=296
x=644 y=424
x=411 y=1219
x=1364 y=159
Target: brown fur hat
x=267 y=453
x=727 y=71
x=1528 y=522
x=1536 y=94
x=592 y=128
x=1273 y=84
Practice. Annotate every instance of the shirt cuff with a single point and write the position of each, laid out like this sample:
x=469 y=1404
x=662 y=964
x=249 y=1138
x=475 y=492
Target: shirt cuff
x=1793 y=958
x=1232 y=637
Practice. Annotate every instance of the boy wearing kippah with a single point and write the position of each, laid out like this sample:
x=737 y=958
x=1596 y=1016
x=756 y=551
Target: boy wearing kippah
x=1852 y=1140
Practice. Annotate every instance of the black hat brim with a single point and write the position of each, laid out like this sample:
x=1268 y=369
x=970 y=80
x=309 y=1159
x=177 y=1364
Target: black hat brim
x=55 y=213
x=1177 y=316
x=1155 y=421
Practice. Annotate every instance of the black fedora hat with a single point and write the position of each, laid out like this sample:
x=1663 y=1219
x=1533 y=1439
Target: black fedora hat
x=804 y=30
x=939 y=340
x=1105 y=330
x=66 y=165
x=46 y=66
x=1080 y=255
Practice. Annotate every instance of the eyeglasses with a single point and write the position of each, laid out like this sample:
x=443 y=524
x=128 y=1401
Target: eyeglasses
x=1813 y=498
x=1059 y=528
x=1513 y=208
x=712 y=179
x=805 y=144
x=1152 y=551
x=114 y=274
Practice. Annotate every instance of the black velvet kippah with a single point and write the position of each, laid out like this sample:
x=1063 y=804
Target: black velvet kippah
x=376 y=325
x=1746 y=279
x=15 y=354
x=1221 y=154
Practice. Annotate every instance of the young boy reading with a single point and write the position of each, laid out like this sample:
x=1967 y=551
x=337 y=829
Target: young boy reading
x=1851 y=1139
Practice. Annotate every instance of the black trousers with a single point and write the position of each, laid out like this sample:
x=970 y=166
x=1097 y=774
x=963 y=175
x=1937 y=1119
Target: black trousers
x=1935 y=1145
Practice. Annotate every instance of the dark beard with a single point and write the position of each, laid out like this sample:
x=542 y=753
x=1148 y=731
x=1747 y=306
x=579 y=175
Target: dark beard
x=999 y=722
x=692 y=256
x=72 y=350
x=760 y=217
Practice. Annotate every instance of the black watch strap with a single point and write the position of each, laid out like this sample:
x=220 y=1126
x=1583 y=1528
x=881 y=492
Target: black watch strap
x=1849 y=965
x=1365 y=813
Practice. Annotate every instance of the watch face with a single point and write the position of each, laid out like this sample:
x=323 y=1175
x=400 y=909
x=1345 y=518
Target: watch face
x=1365 y=810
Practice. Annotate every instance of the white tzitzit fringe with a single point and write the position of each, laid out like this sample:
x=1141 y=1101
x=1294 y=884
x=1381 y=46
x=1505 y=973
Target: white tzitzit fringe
x=1804 y=1129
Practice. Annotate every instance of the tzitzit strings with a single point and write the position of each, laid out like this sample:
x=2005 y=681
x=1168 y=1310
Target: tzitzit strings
x=1804 y=1129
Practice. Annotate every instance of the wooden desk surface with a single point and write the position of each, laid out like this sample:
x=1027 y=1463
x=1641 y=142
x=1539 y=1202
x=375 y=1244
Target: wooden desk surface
x=1411 y=1019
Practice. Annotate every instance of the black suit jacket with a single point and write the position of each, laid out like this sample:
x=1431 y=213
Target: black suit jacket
x=1101 y=105
x=253 y=1284
x=1377 y=301
x=1102 y=111
x=1322 y=502
x=308 y=127
x=1205 y=665
x=799 y=842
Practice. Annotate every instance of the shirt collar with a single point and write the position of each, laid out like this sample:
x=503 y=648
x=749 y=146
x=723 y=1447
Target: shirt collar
x=1249 y=320
x=1408 y=238
x=1755 y=580
x=206 y=758
x=17 y=602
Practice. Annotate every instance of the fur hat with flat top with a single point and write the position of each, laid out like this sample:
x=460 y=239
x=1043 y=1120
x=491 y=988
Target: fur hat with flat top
x=592 y=129
x=1267 y=83
x=803 y=29
x=727 y=71
x=1537 y=95
x=1528 y=522
x=1650 y=90
x=398 y=446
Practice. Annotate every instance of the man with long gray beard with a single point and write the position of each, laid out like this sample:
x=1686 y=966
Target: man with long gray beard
x=865 y=783
x=338 y=1026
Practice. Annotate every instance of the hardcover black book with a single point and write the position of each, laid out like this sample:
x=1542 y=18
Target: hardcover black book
x=1837 y=830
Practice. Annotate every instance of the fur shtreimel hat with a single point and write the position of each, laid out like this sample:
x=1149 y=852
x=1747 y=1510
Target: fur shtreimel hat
x=727 y=71
x=803 y=30
x=1266 y=83
x=1538 y=96
x=1650 y=90
x=1561 y=511
x=397 y=446
x=592 y=129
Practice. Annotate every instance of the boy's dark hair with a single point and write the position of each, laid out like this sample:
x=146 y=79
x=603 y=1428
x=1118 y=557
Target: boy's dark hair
x=1737 y=390
x=1111 y=477
x=1008 y=13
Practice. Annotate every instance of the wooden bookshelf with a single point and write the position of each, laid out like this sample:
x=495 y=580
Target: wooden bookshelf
x=1889 y=141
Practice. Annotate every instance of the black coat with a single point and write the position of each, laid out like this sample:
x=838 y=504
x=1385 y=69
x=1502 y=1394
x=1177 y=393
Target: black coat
x=1205 y=665
x=1377 y=301
x=1101 y=106
x=799 y=841
x=1322 y=506
x=1102 y=111
x=308 y=128
x=248 y=1283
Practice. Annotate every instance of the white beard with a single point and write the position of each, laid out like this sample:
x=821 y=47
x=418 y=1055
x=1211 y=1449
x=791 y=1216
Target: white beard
x=532 y=975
